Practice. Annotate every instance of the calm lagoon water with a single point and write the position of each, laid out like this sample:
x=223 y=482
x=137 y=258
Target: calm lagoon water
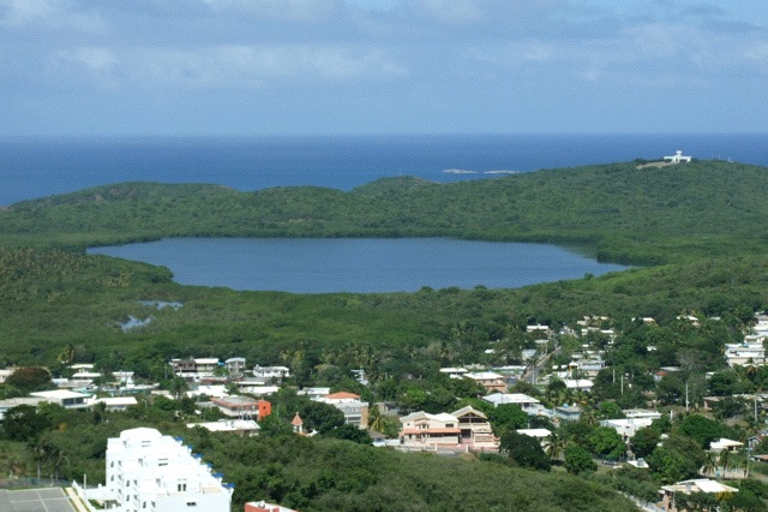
x=358 y=265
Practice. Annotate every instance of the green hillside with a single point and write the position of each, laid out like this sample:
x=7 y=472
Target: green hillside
x=625 y=214
x=695 y=231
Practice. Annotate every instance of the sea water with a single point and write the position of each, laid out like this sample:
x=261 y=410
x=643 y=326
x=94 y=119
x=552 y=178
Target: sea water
x=35 y=167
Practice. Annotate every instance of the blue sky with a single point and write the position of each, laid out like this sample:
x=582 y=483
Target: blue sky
x=309 y=67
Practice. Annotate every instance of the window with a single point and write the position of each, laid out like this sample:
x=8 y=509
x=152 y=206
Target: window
x=162 y=462
x=191 y=503
x=181 y=487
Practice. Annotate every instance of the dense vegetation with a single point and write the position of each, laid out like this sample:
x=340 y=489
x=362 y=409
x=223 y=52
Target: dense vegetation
x=696 y=228
x=648 y=215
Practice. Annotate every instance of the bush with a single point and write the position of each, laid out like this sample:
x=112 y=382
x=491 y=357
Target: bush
x=578 y=460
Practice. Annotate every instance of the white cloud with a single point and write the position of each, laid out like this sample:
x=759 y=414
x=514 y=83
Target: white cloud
x=292 y=10
x=22 y=12
x=49 y=14
x=250 y=66
x=452 y=11
x=97 y=59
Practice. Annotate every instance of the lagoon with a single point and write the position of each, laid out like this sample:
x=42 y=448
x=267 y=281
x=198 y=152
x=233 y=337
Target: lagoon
x=308 y=265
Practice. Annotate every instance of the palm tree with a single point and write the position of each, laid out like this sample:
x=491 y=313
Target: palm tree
x=555 y=446
x=745 y=461
x=723 y=460
x=710 y=464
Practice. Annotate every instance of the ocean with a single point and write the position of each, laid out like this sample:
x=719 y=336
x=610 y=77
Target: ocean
x=36 y=167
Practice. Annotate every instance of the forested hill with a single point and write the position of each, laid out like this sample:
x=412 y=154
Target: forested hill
x=625 y=214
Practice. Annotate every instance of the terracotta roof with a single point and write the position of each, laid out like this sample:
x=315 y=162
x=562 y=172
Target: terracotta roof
x=296 y=421
x=342 y=395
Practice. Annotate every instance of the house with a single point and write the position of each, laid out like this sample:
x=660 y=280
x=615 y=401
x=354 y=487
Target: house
x=538 y=330
x=123 y=378
x=474 y=425
x=64 y=398
x=568 y=412
x=314 y=393
x=235 y=366
x=724 y=444
x=237 y=406
x=579 y=384
x=464 y=428
x=355 y=410
x=271 y=372
x=586 y=367
x=491 y=381
x=525 y=402
x=627 y=427
x=263 y=506
x=147 y=471
x=454 y=373
x=195 y=368
x=688 y=487
x=424 y=429
x=745 y=354
x=116 y=403
x=10 y=403
x=540 y=434
x=234 y=426
x=83 y=377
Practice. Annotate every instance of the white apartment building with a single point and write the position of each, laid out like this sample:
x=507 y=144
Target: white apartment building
x=150 y=472
x=745 y=354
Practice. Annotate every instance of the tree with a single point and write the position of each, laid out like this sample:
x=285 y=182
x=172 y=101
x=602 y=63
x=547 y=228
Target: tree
x=578 y=460
x=178 y=387
x=507 y=417
x=702 y=430
x=644 y=441
x=320 y=416
x=678 y=458
x=274 y=426
x=24 y=423
x=555 y=446
x=610 y=410
x=524 y=450
x=605 y=441
x=30 y=379
x=723 y=460
x=350 y=433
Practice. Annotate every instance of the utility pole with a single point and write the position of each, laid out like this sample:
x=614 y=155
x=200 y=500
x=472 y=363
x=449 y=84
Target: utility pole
x=686 y=397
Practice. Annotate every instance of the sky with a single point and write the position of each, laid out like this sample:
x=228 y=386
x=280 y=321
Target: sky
x=337 y=67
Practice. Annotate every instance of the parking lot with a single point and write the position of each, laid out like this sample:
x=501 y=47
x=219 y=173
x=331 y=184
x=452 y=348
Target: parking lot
x=52 y=499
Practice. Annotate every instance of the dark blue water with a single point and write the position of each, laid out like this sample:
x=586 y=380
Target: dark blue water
x=32 y=168
x=358 y=265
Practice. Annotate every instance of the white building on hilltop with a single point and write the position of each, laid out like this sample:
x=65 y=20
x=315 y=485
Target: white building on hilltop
x=677 y=158
x=150 y=472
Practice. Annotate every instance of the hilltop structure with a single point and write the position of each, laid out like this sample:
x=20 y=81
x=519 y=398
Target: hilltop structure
x=677 y=158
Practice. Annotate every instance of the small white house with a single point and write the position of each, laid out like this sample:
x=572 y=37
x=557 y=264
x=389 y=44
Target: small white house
x=64 y=398
x=525 y=402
